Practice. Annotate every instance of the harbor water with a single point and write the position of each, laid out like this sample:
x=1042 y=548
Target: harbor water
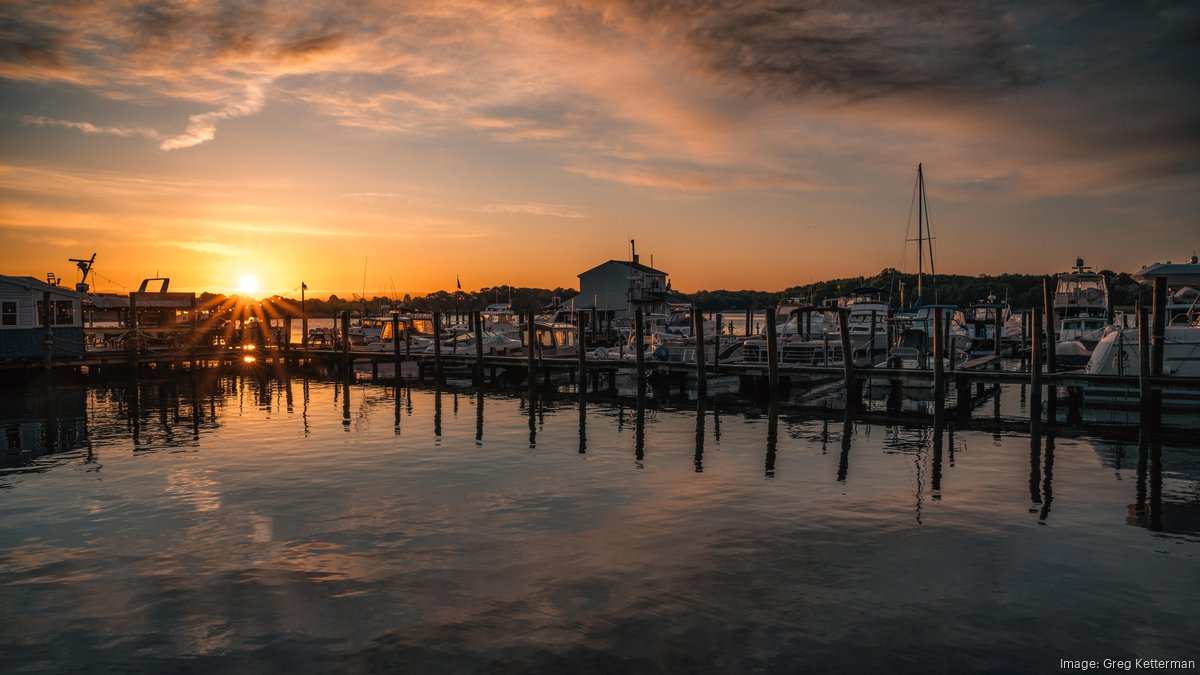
x=253 y=523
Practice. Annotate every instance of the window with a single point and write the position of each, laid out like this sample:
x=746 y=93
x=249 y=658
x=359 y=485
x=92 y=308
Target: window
x=8 y=313
x=62 y=314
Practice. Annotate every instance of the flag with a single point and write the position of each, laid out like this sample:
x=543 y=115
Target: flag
x=458 y=281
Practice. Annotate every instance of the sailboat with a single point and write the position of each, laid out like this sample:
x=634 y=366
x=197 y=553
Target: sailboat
x=914 y=323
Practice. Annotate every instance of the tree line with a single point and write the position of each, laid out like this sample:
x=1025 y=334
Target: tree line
x=1021 y=291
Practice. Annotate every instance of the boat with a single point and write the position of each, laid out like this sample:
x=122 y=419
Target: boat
x=919 y=317
x=1119 y=352
x=1081 y=305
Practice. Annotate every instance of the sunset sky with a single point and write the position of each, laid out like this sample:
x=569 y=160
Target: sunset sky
x=747 y=144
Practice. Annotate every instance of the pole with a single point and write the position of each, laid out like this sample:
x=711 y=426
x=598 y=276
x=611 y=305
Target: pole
x=581 y=321
x=1144 y=358
x=749 y=320
x=698 y=331
x=1051 y=338
x=437 y=347
x=639 y=350
x=939 y=375
x=772 y=355
x=132 y=335
x=531 y=343
x=1157 y=345
x=477 y=318
x=717 y=348
x=396 y=344
x=303 y=318
x=1035 y=369
x=47 y=332
x=848 y=355
x=346 y=342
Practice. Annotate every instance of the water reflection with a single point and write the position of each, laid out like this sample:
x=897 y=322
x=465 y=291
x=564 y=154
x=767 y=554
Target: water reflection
x=256 y=555
x=772 y=440
x=582 y=418
x=478 y=417
x=844 y=456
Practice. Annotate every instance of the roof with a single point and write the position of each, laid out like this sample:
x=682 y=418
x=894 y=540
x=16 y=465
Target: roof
x=632 y=265
x=1176 y=273
x=32 y=284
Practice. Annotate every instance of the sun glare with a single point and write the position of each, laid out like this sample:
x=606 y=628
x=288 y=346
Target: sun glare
x=247 y=283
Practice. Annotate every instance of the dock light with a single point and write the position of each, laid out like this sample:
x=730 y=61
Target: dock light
x=249 y=348
x=249 y=359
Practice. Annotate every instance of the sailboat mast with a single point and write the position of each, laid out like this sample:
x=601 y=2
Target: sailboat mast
x=920 y=230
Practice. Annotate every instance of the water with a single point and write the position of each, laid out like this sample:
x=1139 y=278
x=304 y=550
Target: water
x=253 y=524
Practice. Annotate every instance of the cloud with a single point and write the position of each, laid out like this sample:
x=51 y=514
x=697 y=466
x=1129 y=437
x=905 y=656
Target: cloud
x=203 y=127
x=533 y=209
x=734 y=89
x=89 y=128
x=211 y=248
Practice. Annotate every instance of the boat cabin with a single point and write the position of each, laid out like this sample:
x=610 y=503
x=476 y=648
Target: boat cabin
x=552 y=338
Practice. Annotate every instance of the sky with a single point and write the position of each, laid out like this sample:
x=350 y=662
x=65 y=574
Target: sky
x=392 y=147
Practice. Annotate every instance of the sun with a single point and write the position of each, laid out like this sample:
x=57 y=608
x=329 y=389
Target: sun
x=247 y=283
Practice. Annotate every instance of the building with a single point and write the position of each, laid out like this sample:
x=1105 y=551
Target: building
x=623 y=286
x=23 y=312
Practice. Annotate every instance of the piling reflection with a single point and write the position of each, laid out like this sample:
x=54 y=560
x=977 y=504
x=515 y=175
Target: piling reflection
x=478 y=417
x=935 y=487
x=844 y=455
x=1047 y=479
x=698 y=457
x=437 y=413
x=772 y=440
x=639 y=430
x=582 y=420
x=346 y=405
x=531 y=404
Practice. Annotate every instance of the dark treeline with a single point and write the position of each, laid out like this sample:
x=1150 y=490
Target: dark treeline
x=523 y=300
x=1020 y=290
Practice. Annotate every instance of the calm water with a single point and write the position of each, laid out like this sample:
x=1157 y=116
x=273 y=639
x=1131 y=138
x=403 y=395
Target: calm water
x=252 y=524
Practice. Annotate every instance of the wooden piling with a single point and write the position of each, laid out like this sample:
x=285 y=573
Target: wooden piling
x=581 y=348
x=396 y=345
x=717 y=340
x=639 y=350
x=303 y=318
x=531 y=343
x=1157 y=346
x=772 y=355
x=477 y=320
x=346 y=342
x=996 y=336
x=1051 y=338
x=1144 y=357
x=939 y=375
x=437 y=347
x=47 y=332
x=749 y=321
x=1035 y=369
x=871 y=348
x=132 y=335
x=698 y=333
x=852 y=390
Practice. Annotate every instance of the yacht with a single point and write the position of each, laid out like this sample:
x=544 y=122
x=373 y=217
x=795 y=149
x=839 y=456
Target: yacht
x=1119 y=353
x=1081 y=305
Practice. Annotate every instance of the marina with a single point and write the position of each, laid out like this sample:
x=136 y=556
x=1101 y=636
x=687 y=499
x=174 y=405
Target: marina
x=710 y=337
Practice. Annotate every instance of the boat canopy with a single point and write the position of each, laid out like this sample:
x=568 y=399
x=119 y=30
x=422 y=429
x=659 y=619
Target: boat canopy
x=1177 y=274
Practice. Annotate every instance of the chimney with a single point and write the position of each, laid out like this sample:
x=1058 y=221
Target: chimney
x=633 y=251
